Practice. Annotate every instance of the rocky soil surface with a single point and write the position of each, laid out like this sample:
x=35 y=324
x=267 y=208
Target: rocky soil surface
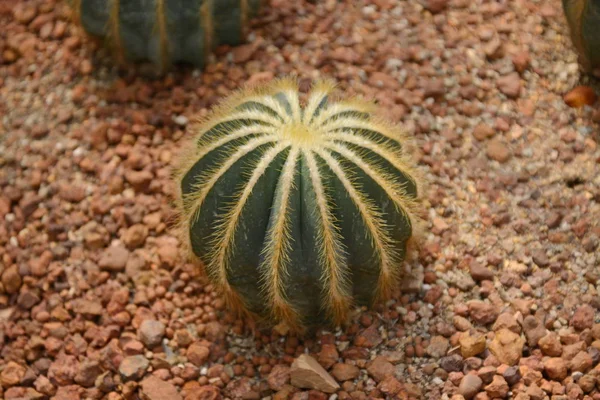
x=96 y=301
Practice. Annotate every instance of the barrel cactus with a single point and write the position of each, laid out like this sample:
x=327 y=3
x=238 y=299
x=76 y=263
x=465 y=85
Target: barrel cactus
x=583 y=17
x=298 y=210
x=166 y=31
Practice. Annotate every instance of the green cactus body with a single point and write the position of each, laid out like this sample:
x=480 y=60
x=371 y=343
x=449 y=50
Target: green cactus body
x=298 y=212
x=583 y=17
x=166 y=31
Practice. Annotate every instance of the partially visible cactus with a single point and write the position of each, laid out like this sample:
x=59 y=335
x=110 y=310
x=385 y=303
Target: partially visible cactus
x=166 y=31
x=583 y=17
x=298 y=212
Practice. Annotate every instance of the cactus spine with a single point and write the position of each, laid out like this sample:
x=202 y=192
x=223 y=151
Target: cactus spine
x=298 y=212
x=166 y=31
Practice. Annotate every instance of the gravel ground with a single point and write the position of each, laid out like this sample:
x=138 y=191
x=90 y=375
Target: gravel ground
x=96 y=301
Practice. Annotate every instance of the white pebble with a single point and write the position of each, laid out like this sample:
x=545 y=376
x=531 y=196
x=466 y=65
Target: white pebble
x=180 y=120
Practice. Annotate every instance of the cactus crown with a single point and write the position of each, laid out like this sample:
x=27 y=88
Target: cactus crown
x=298 y=211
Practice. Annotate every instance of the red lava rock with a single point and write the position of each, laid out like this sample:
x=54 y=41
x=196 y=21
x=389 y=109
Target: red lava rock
x=114 y=259
x=486 y=373
x=550 y=345
x=5 y=206
x=554 y=220
x=140 y=180
x=133 y=367
x=207 y=392
x=12 y=374
x=555 y=368
x=521 y=61
x=438 y=346
x=433 y=295
x=582 y=362
x=72 y=193
x=572 y=349
x=534 y=330
x=46 y=30
x=59 y=29
x=494 y=49
x=260 y=77
x=534 y=392
x=20 y=393
x=135 y=236
x=278 y=377
x=498 y=389
x=183 y=338
x=9 y=56
x=583 y=318
x=87 y=307
x=510 y=85
x=383 y=80
x=241 y=389
x=29 y=204
x=141 y=314
x=88 y=372
x=587 y=383
x=390 y=386
x=44 y=386
x=344 y=54
x=242 y=53
x=461 y=323
x=434 y=88
x=369 y=337
x=38 y=131
x=507 y=321
x=507 y=346
x=580 y=96
x=480 y=273
x=198 y=354
x=62 y=371
x=85 y=67
x=356 y=353
x=105 y=382
x=498 y=151
x=134 y=347
x=168 y=254
x=469 y=386
x=482 y=313
x=151 y=332
x=452 y=363
x=24 y=13
x=153 y=388
x=344 y=372
x=380 y=368
x=214 y=331
x=435 y=6
x=98 y=135
x=328 y=355
x=11 y=279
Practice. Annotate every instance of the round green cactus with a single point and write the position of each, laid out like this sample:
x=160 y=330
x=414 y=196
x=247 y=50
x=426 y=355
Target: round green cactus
x=166 y=31
x=298 y=211
x=583 y=17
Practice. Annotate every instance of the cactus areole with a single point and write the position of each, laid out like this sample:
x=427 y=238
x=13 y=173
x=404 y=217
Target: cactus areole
x=298 y=211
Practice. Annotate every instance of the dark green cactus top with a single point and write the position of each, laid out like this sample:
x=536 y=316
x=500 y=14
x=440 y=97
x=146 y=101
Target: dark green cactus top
x=298 y=212
x=166 y=31
x=583 y=17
